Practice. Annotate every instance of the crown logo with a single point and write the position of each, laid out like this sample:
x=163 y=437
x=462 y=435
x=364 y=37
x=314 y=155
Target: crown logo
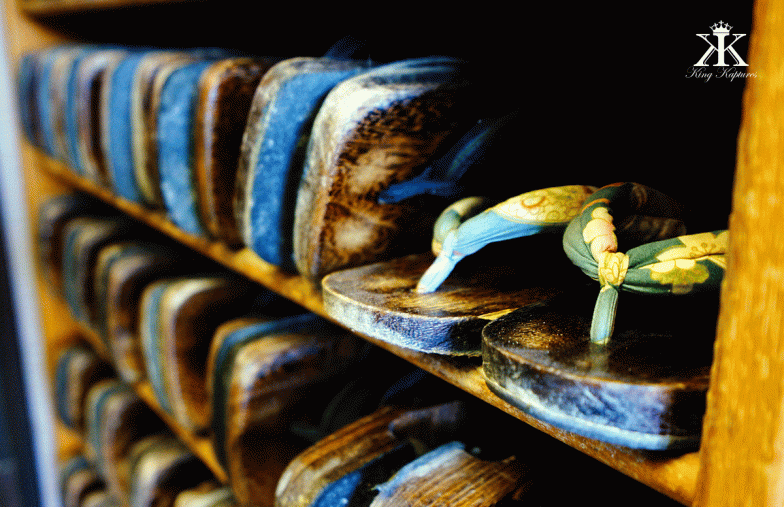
x=721 y=28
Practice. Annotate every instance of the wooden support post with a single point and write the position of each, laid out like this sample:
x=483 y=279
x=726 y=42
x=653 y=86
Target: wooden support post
x=742 y=454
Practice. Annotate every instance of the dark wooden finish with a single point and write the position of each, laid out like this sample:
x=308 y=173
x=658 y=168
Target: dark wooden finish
x=116 y=419
x=78 y=478
x=373 y=130
x=190 y=310
x=226 y=90
x=85 y=237
x=149 y=78
x=380 y=300
x=451 y=476
x=90 y=76
x=130 y=267
x=161 y=470
x=78 y=370
x=364 y=450
x=644 y=390
x=207 y=494
x=100 y=499
x=52 y=217
x=674 y=475
x=266 y=379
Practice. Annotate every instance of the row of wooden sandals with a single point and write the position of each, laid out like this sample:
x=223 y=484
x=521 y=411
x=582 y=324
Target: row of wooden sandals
x=314 y=163
x=299 y=411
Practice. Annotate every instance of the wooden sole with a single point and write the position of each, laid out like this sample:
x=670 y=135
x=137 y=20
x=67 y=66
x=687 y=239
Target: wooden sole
x=380 y=300
x=646 y=389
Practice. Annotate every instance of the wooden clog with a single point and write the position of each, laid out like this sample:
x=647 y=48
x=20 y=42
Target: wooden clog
x=373 y=130
x=125 y=270
x=226 y=90
x=149 y=78
x=116 y=419
x=59 y=80
x=117 y=126
x=26 y=81
x=263 y=374
x=43 y=97
x=100 y=499
x=179 y=318
x=345 y=465
x=207 y=494
x=644 y=389
x=78 y=478
x=91 y=74
x=78 y=369
x=380 y=299
x=84 y=238
x=449 y=475
x=161 y=470
x=53 y=214
x=273 y=150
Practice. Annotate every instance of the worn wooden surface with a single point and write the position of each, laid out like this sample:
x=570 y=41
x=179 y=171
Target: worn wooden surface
x=190 y=311
x=117 y=419
x=78 y=369
x=78 y=478
x=273 y=150
x=226 y=91
x=161 y=470
x=633 y=392
x=319 y=469
x=741 y=455
x=673 y=474
x=139 y=265
x=380 y=300
x=373 y=130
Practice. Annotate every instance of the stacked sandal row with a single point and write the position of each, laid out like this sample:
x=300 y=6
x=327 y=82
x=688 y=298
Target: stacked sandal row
x=229 y=361
x=314 y=163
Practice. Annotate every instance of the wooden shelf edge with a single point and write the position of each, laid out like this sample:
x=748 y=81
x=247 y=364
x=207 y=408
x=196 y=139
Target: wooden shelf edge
x=674 y=475
x=45 y=8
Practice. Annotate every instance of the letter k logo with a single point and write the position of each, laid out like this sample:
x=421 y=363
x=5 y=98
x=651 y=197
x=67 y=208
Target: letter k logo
x=721 y=50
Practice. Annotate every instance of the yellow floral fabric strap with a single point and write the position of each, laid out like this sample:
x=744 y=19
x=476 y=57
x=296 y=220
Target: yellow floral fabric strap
x=680 y=265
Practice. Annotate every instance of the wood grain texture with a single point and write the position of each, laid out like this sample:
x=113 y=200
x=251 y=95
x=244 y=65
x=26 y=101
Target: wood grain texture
x=91 y=73
x=78 y=478
x=380 y=300
x=322 y=466
x=632 y=392
x=451 y=476
x=85 y=237
x=78 y=370
x=273 y=150
x=270 y=381
x=741 y=455
x=672 y=474
x=190 y=311
x=373 y=130
x=53 y=214
x=162 y=470
x=135 y=266
x=117 y=419
x=226 y=91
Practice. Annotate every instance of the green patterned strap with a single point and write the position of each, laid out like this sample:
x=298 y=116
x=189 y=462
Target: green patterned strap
x=470 y=224
x=679 y=265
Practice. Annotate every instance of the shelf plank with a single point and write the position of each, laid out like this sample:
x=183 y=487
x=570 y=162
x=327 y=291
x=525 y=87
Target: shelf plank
x=673 y=474
x=56 y=7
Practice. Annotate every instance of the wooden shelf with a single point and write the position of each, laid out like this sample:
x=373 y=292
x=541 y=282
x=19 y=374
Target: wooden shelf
x=56 y=7
x=672 y=474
